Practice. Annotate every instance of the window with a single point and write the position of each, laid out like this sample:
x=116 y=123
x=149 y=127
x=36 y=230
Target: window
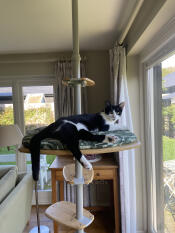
x=39 y=112
x=21 y=99
x=7 y=155
x=160 y=139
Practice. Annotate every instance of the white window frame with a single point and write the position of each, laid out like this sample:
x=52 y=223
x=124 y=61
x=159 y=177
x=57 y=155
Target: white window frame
x=162 y=46
x=17 y=82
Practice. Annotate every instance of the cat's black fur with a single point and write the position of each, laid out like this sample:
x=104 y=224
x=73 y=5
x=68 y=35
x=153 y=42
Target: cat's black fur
x=70 y=129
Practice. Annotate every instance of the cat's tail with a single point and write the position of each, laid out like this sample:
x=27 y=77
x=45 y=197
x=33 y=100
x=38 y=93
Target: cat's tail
x=35 y=143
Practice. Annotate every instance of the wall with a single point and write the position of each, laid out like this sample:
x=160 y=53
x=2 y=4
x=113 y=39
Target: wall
x=43 y=64
x=98 y=70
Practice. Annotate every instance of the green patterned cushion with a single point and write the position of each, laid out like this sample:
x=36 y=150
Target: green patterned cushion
x=122 y=137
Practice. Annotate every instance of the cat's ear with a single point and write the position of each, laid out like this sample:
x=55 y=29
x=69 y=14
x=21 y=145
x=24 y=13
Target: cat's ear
x=121 y=105
x=107 y=107
x=107 y=103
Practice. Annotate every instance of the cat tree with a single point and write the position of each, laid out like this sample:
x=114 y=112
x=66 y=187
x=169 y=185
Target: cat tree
x=66 y=213
x=63 y=212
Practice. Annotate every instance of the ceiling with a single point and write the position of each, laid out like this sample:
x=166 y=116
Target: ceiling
x=30 y=26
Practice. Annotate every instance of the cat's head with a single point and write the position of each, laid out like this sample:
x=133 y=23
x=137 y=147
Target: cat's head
x=113 y=112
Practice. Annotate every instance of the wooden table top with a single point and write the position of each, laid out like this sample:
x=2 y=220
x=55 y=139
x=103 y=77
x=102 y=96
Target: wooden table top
x=106 y=162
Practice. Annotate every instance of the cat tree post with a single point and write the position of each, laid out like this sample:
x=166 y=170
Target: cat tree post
x=77 y=91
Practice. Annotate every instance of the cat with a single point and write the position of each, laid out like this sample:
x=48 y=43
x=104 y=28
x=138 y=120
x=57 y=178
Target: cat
x=72 y=128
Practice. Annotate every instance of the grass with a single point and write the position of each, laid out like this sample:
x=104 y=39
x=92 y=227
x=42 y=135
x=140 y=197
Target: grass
x=168 y=148
x=49 y=158
x=11 y=163
x=5 y=151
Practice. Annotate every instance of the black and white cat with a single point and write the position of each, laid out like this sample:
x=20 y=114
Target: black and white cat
x=72 y=128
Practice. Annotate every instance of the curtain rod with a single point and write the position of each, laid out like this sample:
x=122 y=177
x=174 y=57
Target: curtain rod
x=124 y=33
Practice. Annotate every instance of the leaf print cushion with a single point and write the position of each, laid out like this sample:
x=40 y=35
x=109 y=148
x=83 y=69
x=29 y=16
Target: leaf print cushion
x=122 y=137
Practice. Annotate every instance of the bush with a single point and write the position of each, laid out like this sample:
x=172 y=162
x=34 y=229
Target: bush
x=34 y=116
x=6 y=116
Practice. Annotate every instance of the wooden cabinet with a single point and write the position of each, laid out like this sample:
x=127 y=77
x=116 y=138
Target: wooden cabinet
x=105 y=169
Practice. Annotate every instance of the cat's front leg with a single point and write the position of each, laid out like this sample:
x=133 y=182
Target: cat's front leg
x=86 y=164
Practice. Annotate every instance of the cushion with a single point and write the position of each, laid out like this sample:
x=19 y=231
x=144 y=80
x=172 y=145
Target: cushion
x=7 y=183
x=122 y=136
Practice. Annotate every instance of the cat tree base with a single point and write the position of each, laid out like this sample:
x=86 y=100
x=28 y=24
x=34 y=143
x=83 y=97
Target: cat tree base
x=64 y=213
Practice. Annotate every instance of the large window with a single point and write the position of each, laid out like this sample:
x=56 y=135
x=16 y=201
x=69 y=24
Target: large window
x=160 y=123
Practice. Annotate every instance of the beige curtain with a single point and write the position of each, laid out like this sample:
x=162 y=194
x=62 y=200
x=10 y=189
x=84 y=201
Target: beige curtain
x=65 y=95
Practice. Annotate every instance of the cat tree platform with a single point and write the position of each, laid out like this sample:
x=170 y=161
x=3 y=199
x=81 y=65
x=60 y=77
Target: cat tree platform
x=64 y=213
x=69 y=175
x=84 y=82
x=85 y=151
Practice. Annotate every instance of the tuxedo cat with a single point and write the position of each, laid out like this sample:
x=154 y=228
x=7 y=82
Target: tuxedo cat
x=72 y=128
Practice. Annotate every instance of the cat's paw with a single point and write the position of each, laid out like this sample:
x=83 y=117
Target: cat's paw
x=86 y=164
x=109 y=139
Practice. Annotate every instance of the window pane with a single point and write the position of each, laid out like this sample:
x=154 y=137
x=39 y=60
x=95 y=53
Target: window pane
x=7 y=155
x=39 y=112
x=168 y=113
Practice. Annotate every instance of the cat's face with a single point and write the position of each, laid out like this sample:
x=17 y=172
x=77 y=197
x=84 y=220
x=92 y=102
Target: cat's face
x=114 y=112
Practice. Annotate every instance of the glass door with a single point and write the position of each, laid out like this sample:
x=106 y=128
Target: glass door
x=7 y=155
x=168 y=141
x=160 y=139
x=39 y=112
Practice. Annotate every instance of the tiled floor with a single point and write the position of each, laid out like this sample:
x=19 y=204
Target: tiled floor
x=103 y=223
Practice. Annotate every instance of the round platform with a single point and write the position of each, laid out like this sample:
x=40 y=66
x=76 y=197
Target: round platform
x=86 y=151
x=69 y=175
x=65 y=214
x=85 y=82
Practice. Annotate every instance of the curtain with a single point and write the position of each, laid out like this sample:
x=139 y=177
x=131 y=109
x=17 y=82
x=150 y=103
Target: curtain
x=65 y=101
x=65 y=95
x=119 y=93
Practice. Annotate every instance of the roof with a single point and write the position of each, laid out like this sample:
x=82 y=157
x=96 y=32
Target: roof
x=169 y=80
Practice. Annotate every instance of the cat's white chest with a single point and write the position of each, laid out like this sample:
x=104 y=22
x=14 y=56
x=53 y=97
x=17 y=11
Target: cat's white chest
x=114 y=126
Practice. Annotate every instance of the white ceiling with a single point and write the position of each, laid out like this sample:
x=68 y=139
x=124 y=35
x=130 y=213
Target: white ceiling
x=28 y=26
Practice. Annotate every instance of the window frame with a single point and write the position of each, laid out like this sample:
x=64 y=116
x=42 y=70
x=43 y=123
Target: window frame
x=17 y=82
x=157 y=54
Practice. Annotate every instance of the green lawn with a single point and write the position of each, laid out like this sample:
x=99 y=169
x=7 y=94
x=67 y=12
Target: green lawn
x=49 y=158
x=168 y=148
x=4 y=150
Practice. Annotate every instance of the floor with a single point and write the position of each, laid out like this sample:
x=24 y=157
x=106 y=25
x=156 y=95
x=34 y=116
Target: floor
x=103 y=223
